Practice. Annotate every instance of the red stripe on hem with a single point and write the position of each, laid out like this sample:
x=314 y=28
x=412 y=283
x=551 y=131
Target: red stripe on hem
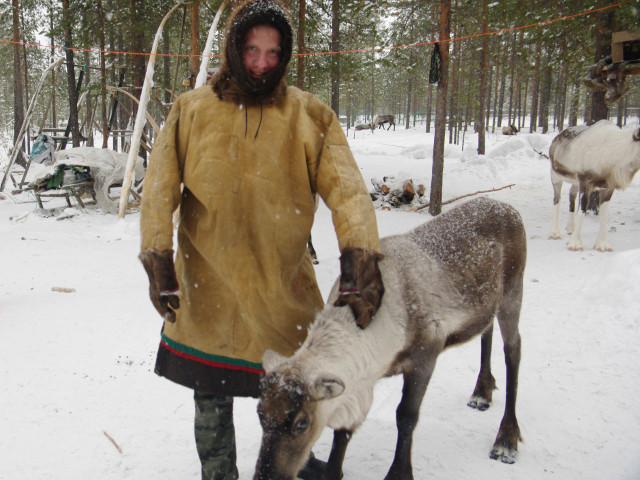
x=209 y=362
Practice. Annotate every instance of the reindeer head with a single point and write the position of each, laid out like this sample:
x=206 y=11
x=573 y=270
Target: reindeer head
x=290 y=417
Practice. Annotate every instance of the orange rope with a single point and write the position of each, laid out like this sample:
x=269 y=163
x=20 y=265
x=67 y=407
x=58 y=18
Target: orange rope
x=374 y=49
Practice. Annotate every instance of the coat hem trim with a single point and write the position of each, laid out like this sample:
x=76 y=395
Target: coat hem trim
x=209 y=359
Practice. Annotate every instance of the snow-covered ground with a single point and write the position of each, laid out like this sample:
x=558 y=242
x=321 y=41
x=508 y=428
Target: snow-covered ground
x=80 y=400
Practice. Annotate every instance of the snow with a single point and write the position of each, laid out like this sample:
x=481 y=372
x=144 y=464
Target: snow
x=77 y=368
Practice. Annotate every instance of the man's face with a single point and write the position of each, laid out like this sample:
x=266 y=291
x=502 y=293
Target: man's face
x=261 y=50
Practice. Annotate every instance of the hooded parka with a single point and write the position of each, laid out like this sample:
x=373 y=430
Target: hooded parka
x=242 y=160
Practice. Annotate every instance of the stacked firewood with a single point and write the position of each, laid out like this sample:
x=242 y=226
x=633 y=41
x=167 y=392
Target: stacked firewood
x=390 y=192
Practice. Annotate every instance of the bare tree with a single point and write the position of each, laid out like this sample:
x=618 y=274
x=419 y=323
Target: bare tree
x=604 y=28
x=103 y=76
x=302 y=12
x=71 y=76
x=195 y=33
x=484 y=64
x=335 y=59
x=437 y=169
x=18 y=100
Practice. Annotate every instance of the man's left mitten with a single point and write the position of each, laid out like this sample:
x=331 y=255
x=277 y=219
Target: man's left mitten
x=163 y=284
x=360 y=283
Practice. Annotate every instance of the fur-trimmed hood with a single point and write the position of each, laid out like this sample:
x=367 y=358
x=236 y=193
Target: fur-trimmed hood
x=232 y=82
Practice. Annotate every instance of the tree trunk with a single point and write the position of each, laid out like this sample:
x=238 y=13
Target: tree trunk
x=54 y=118
x=522 y=120
x=88 y=133
x=335 y=58
x=562 y=83
x=489 y=91
x=604 y=29
x=575 y=103
x=533 y=125
x=453 y=110
x=71 y=76
x=496 y=84
x=166 y=68
x=103 y=79
x=437 y=169
x=195 y=34
x=18 y=99
x=302 y=13
x=484 y=64
x=503 y=82
x=409 y=88
x=429 y=101
x=26 y=79
x=511 y=77
x=545 y=99
x=137 y=43
x=622 y=106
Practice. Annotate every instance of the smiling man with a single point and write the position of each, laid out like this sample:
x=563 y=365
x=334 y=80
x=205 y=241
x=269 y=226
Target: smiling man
x=243 y=159
x=261 y=51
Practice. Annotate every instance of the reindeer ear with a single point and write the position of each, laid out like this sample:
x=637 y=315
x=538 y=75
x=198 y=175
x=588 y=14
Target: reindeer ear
x=326 y=387
x=271 y=359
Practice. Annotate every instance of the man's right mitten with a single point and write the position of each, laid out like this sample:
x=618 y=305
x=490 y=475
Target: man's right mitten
x=163 y=284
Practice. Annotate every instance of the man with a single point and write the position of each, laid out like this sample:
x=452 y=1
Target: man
x=250 y=153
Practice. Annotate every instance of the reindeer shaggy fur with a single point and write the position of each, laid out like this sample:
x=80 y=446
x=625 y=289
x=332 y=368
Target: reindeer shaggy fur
x=600 y=158
x=444 y=283
x=509 y=130
x=380 y=120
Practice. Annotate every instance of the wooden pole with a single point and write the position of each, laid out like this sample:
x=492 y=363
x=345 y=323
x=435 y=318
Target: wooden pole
x=201 y=79
x=145 y=94
x=25 y=123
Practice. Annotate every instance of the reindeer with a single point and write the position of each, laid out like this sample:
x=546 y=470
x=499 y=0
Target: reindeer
x=600 y=158
x=444 y=282
x=380 y=120
x=509 y=130
x=364 y=126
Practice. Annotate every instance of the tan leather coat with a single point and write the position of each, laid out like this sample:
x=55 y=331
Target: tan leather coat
x=246 y=210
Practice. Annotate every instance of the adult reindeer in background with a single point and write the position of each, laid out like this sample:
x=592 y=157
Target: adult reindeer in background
x=601 y=158
x=380 y=120
x=444 y=283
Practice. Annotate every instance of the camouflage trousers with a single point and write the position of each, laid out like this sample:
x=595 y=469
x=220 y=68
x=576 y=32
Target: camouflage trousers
x=215 y=436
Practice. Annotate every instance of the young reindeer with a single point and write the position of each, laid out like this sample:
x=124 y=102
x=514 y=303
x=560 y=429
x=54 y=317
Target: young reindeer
x=444 y=283
x=600 y=158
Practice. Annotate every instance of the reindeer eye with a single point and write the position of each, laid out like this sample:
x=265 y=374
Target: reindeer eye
x=300 y=426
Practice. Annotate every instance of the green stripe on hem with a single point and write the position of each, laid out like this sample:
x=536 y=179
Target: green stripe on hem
x=208 y=356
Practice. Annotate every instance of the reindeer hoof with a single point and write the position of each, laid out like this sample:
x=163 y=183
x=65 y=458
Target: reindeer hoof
x=479 y=403
x=504 y=454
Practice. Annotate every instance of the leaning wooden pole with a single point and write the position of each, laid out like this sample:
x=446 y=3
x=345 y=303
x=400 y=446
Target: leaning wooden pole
x=201 y=79
x=141 y=117
x=25 y=123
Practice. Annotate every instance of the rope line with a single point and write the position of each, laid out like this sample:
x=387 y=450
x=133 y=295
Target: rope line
x=363 y=50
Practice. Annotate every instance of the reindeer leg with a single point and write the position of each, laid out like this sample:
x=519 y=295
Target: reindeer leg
x=575 y=242
x=336 y=457
x=505 y=447
x=602 y=244
x=486 y=384
x=407 y=413
x=573 y=193
x=556 y=183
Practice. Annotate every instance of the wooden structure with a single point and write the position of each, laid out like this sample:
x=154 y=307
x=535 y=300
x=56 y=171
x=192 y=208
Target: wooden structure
x=625 y=47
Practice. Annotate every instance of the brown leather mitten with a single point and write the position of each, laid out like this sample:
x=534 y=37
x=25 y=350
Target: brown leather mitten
x=163 y=284
x=360 y=283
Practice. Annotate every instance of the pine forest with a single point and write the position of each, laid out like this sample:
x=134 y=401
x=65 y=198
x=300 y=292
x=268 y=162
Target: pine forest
x=503 y=62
